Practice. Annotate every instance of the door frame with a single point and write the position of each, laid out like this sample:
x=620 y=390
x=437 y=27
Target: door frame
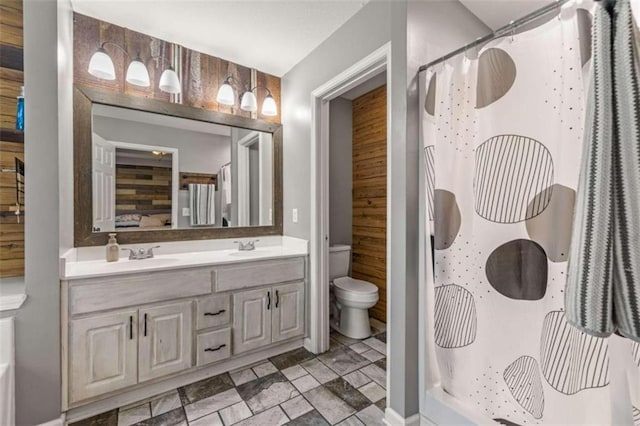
x=175 y=171
x=244 y=178
x=373 y=64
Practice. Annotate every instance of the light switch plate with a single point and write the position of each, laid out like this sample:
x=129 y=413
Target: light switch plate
x=294 y=215
x=186 y=211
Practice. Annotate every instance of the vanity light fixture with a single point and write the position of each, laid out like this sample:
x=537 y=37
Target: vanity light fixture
x=101 y=66
x=248 y=101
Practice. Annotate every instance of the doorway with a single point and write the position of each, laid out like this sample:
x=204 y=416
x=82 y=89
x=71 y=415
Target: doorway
x=369 y=67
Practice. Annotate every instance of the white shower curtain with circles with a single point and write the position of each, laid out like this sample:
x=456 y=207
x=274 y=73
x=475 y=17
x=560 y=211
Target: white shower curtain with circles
x=502 y=139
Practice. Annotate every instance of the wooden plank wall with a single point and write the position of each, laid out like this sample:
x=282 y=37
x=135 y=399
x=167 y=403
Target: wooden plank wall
x=201 y=75
x=142 y=189
x=369 y=227
x=11 y=141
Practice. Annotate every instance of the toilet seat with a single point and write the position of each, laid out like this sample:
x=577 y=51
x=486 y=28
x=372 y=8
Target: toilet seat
x=348 y=288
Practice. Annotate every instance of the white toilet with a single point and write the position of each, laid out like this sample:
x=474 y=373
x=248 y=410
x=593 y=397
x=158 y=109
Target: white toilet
x=350 y=298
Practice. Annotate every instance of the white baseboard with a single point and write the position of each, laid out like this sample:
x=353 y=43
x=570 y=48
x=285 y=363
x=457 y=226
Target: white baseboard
x=392 y=418
x=55 y=422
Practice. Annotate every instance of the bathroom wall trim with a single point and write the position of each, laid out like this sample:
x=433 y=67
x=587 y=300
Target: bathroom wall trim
x=392 y=418
x=373 y=64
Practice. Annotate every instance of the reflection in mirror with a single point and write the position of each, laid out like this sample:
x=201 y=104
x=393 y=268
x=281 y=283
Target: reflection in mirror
x=156 y=172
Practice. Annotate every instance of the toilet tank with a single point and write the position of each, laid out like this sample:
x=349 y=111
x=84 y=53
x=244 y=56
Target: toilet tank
x=339 y=259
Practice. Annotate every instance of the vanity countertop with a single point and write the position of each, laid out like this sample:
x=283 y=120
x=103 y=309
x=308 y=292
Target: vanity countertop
x=82 y=263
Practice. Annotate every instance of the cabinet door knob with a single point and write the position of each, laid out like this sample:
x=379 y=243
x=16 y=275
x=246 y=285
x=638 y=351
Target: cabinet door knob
x=277 y=298
x=131 y=327
x=268 y=300
x=213 y=314
x=215 y=349
x=145 y=325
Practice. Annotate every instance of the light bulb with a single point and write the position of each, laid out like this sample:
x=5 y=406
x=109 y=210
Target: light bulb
x=137 y=73
x=249 y=102
x=269 y=107
x=169 y=81
x=226 y=95
x=101 y=65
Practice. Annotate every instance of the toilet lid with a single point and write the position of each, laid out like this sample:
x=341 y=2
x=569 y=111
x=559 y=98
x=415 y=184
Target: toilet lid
x=355 y=286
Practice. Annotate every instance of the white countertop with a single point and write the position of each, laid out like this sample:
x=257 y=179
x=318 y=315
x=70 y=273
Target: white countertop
x=89 y=262
x=12 y=293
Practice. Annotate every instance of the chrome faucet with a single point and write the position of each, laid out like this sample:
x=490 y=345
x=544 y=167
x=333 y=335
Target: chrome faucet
x=246 y=245
x=140 y=253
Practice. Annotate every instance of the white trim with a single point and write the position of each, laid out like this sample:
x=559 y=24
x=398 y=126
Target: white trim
x=392 y=418
x=60 y=421
x=175 y=171
x=12 y=302
x=363 y=70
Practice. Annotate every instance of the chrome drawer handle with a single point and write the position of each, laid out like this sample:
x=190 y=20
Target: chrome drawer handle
x=215 y=349
x=213 y=314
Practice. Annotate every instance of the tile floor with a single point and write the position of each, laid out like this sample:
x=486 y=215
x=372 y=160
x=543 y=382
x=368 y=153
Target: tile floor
x=345 y=386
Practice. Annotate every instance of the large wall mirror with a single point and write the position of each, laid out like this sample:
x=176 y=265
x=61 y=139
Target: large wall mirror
x=153 y=171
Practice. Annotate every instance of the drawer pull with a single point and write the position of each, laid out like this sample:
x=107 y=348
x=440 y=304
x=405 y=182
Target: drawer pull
x=213 y=314
x=130 y=327
x=277 y=298
x=215 y=349
x=268 y=300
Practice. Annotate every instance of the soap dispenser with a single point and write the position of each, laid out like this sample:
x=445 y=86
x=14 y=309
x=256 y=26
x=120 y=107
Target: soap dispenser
x=113 y=249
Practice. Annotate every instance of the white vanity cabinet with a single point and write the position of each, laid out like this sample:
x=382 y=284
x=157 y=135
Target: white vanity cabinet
x=129 y=332
x=166 y=333
x=103 y=352
x=266 y=316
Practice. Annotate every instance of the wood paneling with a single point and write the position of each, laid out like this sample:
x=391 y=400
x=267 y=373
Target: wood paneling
x=141 y=189
x=201 y=75
x=11 y=140
x=198 y=178
x=369 y=232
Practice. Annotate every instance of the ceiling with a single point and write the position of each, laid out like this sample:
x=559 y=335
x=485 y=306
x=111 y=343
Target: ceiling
x=498 y=13
x=269 y=35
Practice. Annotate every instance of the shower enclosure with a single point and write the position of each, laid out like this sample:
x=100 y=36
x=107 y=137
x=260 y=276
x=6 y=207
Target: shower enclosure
x=502 y=136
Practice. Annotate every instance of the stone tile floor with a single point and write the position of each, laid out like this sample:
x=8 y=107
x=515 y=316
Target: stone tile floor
x=344 y=386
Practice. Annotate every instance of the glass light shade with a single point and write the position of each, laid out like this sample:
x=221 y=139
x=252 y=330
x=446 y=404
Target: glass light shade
x=249 y=102
x=226 y=95
x=269 y=107
x=137 y=74
x=169 y=81
x=101 y=65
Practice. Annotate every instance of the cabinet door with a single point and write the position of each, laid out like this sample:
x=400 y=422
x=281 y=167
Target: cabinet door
x=102 y=354
x=251 y=319
x=288 y=312
x=165 y=340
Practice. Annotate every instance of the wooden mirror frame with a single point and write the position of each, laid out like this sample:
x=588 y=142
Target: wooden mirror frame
x=83 y=99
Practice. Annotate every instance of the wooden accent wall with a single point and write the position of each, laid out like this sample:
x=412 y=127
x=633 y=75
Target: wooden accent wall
x=142 y=189
x=369 y=228
x=201 y=75
x=11 y=140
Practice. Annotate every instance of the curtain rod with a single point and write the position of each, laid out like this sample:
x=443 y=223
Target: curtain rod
x=499 y=32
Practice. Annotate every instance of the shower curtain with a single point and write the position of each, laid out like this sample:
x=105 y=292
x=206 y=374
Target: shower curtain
x=502 y=139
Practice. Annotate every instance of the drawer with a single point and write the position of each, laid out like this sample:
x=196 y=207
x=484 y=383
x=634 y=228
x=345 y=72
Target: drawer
x=99 y=294
x=213 y=346
x=258 y=273
x=212 y=311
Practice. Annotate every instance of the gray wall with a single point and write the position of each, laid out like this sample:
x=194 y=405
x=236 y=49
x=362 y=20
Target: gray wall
x=38 y=321
x=443 y=25
x=340 y=171
x=198 y=152
x=376 y=24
